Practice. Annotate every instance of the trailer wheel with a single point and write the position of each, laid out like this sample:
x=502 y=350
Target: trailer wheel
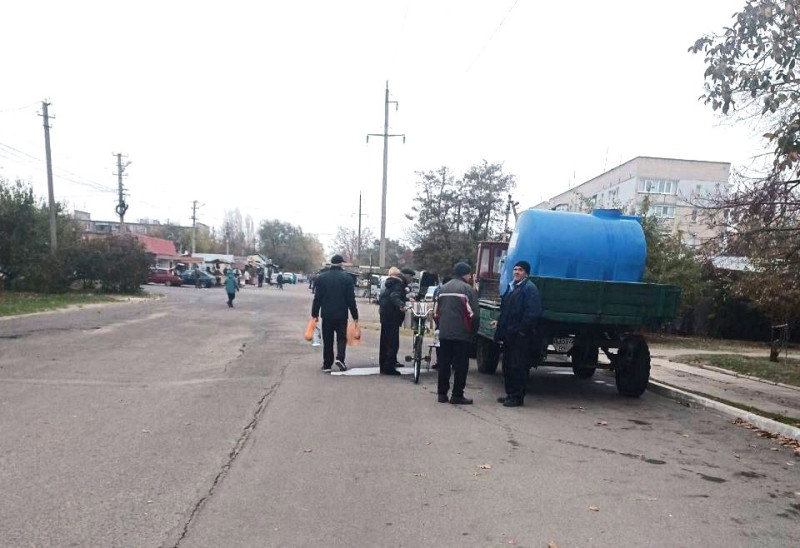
x=487 y=356
x=632 y=367
x=584 y=360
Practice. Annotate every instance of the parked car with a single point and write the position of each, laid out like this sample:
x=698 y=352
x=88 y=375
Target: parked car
x=163 y=276
x=429 y=293
x=206 y=279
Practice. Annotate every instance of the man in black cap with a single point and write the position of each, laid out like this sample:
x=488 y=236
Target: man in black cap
x=520 y=308
x=335 y=295
x=392 y=310
x=457 y=315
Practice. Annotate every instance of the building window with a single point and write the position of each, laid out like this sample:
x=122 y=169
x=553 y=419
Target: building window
x=664 y=211
x=658 y=186
x=694 y=214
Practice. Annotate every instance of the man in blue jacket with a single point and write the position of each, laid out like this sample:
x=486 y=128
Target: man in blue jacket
x=520 y=309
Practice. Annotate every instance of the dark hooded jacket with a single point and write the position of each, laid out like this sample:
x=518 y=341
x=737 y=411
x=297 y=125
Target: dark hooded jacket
x=391 y=300
x=335 y=295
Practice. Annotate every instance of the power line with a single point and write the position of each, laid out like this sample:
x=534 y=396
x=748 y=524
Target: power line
x=502 y=21
x=16 y=109
x=16 y=154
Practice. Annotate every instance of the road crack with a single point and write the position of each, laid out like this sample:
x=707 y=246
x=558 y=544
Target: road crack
x=241 y=441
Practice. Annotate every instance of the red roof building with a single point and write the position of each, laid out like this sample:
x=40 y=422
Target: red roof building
x=164 y=250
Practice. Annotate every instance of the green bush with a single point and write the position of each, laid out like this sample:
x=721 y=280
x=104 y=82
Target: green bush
x=119 y=264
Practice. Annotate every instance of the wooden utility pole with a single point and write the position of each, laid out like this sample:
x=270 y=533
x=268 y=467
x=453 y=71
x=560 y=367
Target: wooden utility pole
x=385 y=136
x=50 y=193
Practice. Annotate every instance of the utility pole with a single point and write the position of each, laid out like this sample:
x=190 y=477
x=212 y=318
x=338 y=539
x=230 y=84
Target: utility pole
x=510 y=204
x=195 y=207
x=358 y=244
x=122 y=207
x=50 y=194
x=227 y=238
x=385 y=136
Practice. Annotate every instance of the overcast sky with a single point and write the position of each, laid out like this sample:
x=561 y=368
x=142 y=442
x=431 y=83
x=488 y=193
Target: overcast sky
x=265 y=105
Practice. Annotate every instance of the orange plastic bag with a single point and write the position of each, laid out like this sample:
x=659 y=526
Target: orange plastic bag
x=353 y=334
x=309 y=334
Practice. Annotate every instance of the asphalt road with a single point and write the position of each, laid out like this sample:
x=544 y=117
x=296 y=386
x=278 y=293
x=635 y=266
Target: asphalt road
x=180 y=422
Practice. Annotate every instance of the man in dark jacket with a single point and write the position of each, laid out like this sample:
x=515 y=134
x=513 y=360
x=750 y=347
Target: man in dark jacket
x=457 y=314
x=335 y=295
x=520 y=309
x=392 y=310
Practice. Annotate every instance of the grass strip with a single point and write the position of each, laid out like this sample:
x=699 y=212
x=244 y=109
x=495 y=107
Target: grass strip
x=13 y=303
x=703 y=343
x=783 y=371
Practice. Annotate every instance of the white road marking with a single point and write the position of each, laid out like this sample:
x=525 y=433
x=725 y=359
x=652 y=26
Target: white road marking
x=361 y=371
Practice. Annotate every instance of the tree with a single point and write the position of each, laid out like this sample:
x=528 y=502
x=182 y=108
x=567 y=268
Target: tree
x=346 y=243
x=397 y=253
x=750 y=74
x=234 y=230
x=671 y=262
x=451 y=216
x=25 y=258
x=287 y=246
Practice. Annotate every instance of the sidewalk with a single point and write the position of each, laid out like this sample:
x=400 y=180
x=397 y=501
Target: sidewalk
x=747 y=398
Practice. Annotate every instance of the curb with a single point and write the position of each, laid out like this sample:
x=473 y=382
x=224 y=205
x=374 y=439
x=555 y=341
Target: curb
x=762 y=423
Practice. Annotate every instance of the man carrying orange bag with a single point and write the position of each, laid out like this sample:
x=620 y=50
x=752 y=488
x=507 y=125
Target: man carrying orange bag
x=353 y=334
x=333 y=298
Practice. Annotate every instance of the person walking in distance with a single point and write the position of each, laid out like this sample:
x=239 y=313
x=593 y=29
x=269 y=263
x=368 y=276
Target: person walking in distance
x=196 y=276
x=231 y=287
x=279 y=279
x=334 y=297
x=520 y=309
x=392 y=310
x=457 y=313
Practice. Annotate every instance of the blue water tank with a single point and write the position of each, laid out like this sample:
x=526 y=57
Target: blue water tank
x=603 y=245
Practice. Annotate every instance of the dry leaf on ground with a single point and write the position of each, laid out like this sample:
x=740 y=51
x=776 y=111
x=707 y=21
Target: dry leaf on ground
x=486 y=466
x=594 y=508
x=601 y=423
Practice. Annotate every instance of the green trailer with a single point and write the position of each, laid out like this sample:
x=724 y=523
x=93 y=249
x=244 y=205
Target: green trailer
x=582 y=317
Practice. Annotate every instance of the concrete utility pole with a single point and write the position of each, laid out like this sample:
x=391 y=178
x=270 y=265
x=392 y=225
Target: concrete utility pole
x=385 y=136
x=50 y=194
x=195 y=207
x=227 y=238
x=358 y=243
x=122 y=207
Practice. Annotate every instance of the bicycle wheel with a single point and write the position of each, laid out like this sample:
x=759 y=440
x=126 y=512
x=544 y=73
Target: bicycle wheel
x=417 y=358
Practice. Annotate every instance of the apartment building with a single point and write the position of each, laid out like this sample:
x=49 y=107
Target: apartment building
x=674 y=188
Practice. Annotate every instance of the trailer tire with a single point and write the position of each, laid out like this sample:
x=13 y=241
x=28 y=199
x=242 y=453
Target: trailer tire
x=584 y=360
x=584 y=372
x=632 y=367
x=487 y=356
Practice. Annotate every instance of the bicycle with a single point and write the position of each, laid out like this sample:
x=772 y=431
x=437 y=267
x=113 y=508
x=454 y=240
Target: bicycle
x=421 y=311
